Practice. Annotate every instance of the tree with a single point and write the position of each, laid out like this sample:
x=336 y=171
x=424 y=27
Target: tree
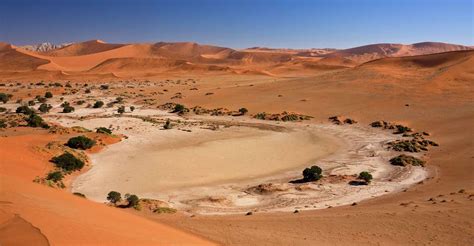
x=5 y=97
x=68 y=109
x=114 y=197
x=312 y=174
x=132 y=108
x=179 y=108
x=44 y=108
x=25 y=110
x=48 y=94
x=121 y=109
x=67 y=162
x=98 y=104
x=366 y=176
x=35 y=120
x=80 y=142
x=132 y=200
x=243 y=111
x=55 y=176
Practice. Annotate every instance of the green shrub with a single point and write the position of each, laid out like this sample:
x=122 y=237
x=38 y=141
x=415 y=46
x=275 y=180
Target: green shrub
x=5 y=97
x=98 y=104
x=121 y=109
x=36 y=121
x=179 y=108
x=404 y=160
x=25 y=110
x=67 y=162
x=44 y=108
x=312 y=174
x=167 y=124
x=55 y=176
x=103 y=130
x=3 y=109
x=243 y=111
x=3 y=124
x=80 y=142
x=114 y=197
x=48 y=94
x=132 y=200
x=366 y=176
x=68 y=109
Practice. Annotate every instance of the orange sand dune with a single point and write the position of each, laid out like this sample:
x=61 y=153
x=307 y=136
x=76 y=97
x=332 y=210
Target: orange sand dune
x=84 y=48
x=63 y=218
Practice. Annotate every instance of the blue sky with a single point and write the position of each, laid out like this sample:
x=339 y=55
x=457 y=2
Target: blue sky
x=239 y=23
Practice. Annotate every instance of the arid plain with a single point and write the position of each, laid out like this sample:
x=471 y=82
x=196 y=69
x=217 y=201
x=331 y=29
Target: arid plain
x=226 y=167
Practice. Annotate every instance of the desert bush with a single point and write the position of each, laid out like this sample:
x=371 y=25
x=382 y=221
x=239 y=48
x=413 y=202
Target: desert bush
x=35 y=120
x=2 y=109
x=366 y=176
x=179 y=108
x=313 y=173
x=88 y=91
x=132 y=200
x=121 y=110
x=67 y=162
x=25 y=110
x=103 y=130
x=119 y=99
x=243 y=111
x=48 y=94
x=260 y=116
x=104 y=87
x=3 y=124
x=41 y=99
x=68 y=109
x=31 y=103
x=5 y=97
x=404 y=160
x=44 y=108
x=79 y=194
x=132 y=108
x=98 y=104
x=167 y=124
x=80 y=142
x=55 y=176
x=114 y=197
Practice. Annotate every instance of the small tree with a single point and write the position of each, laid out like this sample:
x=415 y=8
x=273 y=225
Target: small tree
x=132 y=200
x=67 y=162
x=366 y=176
x=48 y=94
x=179 y=108
x=167 y=124
x=243 y=111
x=114 y=197
x=44 y=108
x=121 y=109
x=80 y=142
x=36 y=121
x=98 y=104
x=312 y=174
x=55 y=176
x=5 y=97
x=68 y=109
x=25 y=110
x=132 y=108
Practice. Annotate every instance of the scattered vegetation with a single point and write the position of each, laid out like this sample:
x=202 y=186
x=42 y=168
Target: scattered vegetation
x=35 y=120
x=114 y=197
x=67 y=108
x=5 y=97
x=67 y=162
x=80 y=142
x=404 y=160
x=133 y=201
x=55 y=176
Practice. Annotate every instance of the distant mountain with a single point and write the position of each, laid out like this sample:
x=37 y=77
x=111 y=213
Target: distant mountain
x=44 y=47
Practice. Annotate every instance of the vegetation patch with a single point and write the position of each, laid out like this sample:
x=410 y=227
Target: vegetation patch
x=68 y=162
x=405 y=160
x=80 y=142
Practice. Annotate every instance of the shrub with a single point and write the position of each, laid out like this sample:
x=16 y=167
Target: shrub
x=121 y=109
x=98 y=104
x=48 y=94
x=55 y=176
x=404 y=160
x=104 y=87
x=41 y=99
x=243 y=111
x=67 y=162
x=132 y=200
x=366 y=176
x=179 y=108
x=132 y=108
x=312 y=174
x=31 y=103
x=80 y=142
x=114 y=197
x=68 y=109
x=79 y=194
x=103 y=130
x=3 y=124
x=5 y=97
x=36 y=121
x=44 y=108
x=25 y=110
x=119 y=99
x=167 y=124
x=164 y=210
x=2 y=109
x=88 y=91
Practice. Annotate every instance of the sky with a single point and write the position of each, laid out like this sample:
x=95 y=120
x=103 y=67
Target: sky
x=239 y=23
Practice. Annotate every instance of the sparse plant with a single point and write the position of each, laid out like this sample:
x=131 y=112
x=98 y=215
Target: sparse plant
x=98 y=104
x=179 y=108
x=114 y=197
x=243 y=111
x=48 y=94
x=35 y=120
x=366 y=176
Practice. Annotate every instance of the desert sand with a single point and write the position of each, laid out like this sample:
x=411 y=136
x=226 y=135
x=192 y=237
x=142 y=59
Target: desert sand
x=403 y=84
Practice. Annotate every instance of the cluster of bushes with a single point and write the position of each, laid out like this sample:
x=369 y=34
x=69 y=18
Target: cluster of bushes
x=312 y=173
x=35 y=120
x=103 y=130
x=5 y=97
x=44 y=108
x=132 y=200
x=68 y=162
x=67 y=108
x=404 y=160
x=80 y=142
